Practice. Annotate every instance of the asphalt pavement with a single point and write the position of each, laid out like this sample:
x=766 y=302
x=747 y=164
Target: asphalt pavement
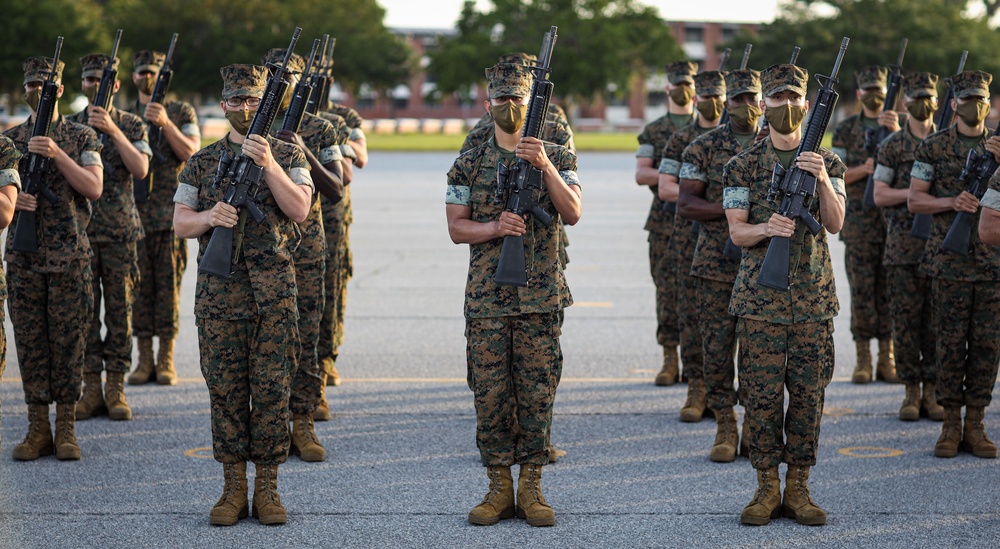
x=402 y=466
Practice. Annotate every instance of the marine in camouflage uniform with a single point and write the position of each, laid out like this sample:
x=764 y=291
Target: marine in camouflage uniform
x=51 y=299
x=909 y=289
x=660 y=221
x=162 y=256
x=318 y=140
x=710 y=87
x=113 y=231
x=247 y=323
x=513 y=351
x=10 y=185
x=965 y=288
x=701 y=187
x=864 y=233
x=786 y=337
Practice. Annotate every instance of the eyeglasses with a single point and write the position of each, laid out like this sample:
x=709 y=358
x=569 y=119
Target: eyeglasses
x=236 y=102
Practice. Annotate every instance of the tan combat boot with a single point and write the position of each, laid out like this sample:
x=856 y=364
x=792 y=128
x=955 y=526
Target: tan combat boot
x=322 y=411
x=329 y=365
x=66 y=446
x=974 y=437
x=798 y=504
x=92 y=402
x=38 y=441
x=726 y=436
x=555 y=453
x=234 y=503
x=146 y=369
x=114 y=397
x=766 y=502
x=531 y=503
x=863 y=371
x=267 y=506
x=929 y=405
x=885 y=369
x=668 y=374
x=745 y=438
x=304 y=441
x=910 y=411
x=166 y=374
x=951 y=434
x=499 y=500
x=694 y=408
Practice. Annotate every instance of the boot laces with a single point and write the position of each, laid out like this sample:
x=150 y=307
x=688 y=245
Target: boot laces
x=532 y=483
x=762 y=488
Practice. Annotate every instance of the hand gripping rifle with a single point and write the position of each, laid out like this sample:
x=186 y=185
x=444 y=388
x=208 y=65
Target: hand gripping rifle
x=977 y=172
x=163 y=78
x=242 y=176
x=522 y=181
x=922 y=222
x=300 y=96
x=35 y=167
x=732 y=251
x=724 y=119
x=875 y=136
x=795 y=186
x=317 y=79
x=106 y=89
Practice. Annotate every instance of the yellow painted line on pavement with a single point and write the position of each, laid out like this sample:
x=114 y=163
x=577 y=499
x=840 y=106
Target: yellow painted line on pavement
x=869 y=452
x=204 y=452
x=594 y=304
x=837 y=411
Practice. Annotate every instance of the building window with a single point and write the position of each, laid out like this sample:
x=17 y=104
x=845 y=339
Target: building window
x=694 y=34
x=728 y=33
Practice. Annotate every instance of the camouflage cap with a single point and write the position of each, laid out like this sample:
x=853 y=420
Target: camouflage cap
x=742 y=81
x=681 y=71
x=872 y=76
x=920 y=84
x=93 y=64
x=509 y=80
x=778 y=78
x=37 y=69
x=971 y=83
x=518 y=58
x=243 y=81
x=708 y=83
x=296 y=64
x=148 y=60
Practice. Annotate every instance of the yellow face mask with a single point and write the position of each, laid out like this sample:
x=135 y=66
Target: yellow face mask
x=509 y=116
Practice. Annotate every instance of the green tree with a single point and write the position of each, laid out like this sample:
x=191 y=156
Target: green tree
x=936 y=29
x=600 y=42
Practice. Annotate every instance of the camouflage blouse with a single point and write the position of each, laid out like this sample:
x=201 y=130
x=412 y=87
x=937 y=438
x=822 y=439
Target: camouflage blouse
x=652 y=140
x=471 y=182
x=683 y=237
x=812 y=292
x=9 y=158
x=62 y=227
x=939 y=160
x=895 y=161
x=264 y=278
x=337 y=216
x=861 y=224
x=704 y=160
x=157 y=213
x=115 y=218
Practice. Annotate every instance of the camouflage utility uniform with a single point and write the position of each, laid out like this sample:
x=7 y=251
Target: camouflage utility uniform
x=247 y=324
x=513 y=348
x=9 y=157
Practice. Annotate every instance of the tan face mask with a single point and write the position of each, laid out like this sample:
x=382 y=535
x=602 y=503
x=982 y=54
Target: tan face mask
x=872 y=101
x=32 y=98
x=711 y=109
x=921 y=109
x=786 y=118
x=682 y=95
x=509 y=116
x=240 y=120
x=744 y=117
x=91 y=93
x=973 y=113
x=145 y=85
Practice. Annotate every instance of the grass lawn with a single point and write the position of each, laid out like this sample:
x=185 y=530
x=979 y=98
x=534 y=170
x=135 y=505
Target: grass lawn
x=444 y=143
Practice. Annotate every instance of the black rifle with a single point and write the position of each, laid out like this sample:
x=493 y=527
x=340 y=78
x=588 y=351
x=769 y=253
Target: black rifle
x=300 y=96
x=875 y=136
x=522 y=181
x=163 y=78
x=732 y=251
x=977 y=172
x=35 y=167
x=795 y=186
x=922 y=222
x=724 y=119
x=317 y=79
x=106 y=89
x=242 y=176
